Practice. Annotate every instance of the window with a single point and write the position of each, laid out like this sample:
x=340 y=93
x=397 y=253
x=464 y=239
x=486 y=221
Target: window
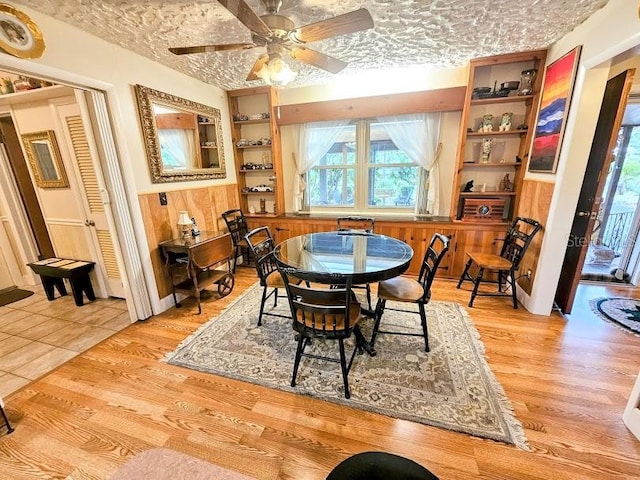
x=362 y=170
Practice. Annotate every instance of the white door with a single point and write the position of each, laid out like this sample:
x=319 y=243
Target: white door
x=92 y=200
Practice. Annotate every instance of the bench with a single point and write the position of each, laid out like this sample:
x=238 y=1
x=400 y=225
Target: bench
x=53 y=271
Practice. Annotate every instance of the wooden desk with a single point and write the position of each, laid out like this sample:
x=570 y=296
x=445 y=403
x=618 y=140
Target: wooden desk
x=52 y=271
x=195 y=263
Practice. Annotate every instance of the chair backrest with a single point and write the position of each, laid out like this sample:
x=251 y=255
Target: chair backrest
x=438 y=247
x=261 y=243
x=321 y=312
x=518 y=238
x=236 y=224
x=363 y=224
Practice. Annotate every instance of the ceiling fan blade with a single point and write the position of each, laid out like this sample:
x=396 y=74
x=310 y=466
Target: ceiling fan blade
x=262 y=59
x=210 y=48
x=355 y=21
x=317 y=59
x=247 y=17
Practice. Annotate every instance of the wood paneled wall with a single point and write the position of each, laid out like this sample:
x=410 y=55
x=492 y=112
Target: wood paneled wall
x=535 y=202
x=160 y=221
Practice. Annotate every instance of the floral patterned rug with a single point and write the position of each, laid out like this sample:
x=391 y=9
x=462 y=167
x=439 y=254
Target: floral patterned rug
x=623 y=312
x=450 y=387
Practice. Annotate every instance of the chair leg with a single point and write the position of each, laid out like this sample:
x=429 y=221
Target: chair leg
x=369 y=296
x=236 y=251
x=464 y=273
x=262 y=302
x=6 y=420
x=275 y=297
x=476 y=284
x=425 y=330
x=296 y=363
x=345 y=371
x=512 y=277
x=378 y=317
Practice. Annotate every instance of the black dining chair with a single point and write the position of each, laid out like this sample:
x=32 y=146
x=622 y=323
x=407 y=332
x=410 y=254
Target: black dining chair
x=261 y=244
x=410 y=290
x=323 y=314
x=237 y=226
x=357 y=225
x=506 y=263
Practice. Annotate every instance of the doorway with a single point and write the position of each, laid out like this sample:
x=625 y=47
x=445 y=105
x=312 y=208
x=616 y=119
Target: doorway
x=613 y=250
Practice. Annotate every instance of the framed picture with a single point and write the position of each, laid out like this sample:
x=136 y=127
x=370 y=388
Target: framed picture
x=554 y=107
x=44 y=157
x=19 y=36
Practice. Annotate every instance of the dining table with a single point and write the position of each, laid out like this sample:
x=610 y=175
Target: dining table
x=334 y=258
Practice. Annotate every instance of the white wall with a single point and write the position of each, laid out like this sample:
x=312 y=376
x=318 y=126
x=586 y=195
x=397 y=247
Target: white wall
x=607 y=33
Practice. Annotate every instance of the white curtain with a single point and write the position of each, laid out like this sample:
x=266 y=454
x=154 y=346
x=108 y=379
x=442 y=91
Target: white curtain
x=315 y=140
x=417 y=135
x=177 y=148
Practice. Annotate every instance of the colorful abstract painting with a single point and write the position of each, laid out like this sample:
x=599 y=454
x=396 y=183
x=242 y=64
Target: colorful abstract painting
x=554 y=106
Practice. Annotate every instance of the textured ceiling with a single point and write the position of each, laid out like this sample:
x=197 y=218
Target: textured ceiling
x=439 y=33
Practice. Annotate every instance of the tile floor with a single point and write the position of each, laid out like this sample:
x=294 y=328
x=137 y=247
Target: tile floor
x=38 y=335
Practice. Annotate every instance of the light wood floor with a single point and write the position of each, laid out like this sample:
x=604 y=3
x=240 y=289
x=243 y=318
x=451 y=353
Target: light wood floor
x=568 y=379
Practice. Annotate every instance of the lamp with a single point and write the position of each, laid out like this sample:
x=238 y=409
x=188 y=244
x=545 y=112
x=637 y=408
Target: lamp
x=184 y=224
x=276 y=71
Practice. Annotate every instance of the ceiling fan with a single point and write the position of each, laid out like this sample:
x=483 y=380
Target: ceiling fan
x=279 y=35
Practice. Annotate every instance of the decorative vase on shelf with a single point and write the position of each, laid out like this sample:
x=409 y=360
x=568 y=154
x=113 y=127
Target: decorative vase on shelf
x=487 y=144
x=527 y=77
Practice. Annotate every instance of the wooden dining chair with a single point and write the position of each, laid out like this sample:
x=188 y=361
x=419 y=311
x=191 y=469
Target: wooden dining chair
x=506 y=263
x=237 y=226
x=357 y=225
x=325 y=314
x=410 y=290
x=260 y=242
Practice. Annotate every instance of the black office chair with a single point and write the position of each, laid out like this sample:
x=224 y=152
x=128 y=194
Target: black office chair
x=261 y=244
x=410 y=290
x=237 y=226
x=506 y=263
x=323 y=314
x=379 y=466
x=357 y=225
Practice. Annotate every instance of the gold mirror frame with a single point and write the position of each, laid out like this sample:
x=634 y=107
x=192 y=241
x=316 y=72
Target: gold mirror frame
x=45 y=160
x=146 y=98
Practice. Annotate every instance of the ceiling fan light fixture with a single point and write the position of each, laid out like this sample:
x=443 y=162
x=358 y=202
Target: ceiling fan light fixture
x=276 y=72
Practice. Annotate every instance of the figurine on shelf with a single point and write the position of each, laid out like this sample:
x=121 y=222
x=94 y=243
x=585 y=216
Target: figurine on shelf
x=486 y=125
x=505 y=124
x=506 y=185
x=468 y=187
x=195 y=231
x=487 y=145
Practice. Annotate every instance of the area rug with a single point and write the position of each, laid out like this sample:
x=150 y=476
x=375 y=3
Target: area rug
x=167 y=464
x=13 y=294
x=622 y=312
x=451 y=387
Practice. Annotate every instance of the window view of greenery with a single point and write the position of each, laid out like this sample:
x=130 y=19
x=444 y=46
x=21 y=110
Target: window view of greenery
x=372 y=173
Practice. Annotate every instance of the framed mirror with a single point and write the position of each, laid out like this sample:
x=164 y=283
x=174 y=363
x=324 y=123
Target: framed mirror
x=183 y=139
x=45 y=160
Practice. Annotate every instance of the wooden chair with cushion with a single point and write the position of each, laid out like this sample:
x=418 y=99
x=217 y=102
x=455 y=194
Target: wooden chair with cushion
x=357 y=225
x=260 y=242
x=237 y=226
x=505 y=263
x=411 y=290
x=323 y=314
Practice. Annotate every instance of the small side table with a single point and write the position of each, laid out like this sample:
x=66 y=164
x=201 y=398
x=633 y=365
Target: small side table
x=52 y=271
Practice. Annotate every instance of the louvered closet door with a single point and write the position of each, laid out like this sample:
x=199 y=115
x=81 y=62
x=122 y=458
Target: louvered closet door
x=93 y=197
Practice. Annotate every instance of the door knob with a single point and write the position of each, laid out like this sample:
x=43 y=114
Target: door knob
x=584 y=214
x=90 y=223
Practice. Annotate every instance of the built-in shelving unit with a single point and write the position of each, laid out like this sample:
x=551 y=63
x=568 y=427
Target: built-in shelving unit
x=265 y=158
x=508 y=148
